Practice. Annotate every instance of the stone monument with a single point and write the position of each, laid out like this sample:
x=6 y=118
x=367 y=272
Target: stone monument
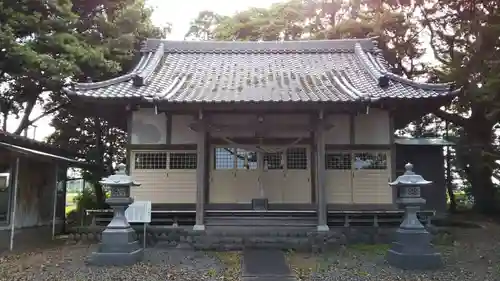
x=412 y=248
x=119 y=244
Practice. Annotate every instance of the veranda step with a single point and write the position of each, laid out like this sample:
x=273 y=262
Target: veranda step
x=260 y=221
x=259 y=231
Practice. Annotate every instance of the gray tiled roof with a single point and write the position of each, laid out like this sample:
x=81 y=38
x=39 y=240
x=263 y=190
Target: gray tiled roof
x=306 y=71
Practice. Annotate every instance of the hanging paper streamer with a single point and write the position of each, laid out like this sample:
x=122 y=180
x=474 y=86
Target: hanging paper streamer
x=245 y=162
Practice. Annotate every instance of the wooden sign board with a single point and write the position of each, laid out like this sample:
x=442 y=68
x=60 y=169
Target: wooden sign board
x=139 y=212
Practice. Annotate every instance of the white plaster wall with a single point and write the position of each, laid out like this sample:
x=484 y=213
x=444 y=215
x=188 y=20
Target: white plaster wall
x=181 y=132
x=148 y=127
x=372 y=128
x=340 y=131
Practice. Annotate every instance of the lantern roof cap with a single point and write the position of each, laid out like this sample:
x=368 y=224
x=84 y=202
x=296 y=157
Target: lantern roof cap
x=410 y=178
x=120 y=178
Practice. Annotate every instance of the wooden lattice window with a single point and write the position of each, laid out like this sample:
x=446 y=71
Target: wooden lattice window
x=224 y=158
x=150 y=160
x=182 y=160
x=338 y=161
x=296 y=158
x=245 y=159
x=273 y=161
x=370 y=161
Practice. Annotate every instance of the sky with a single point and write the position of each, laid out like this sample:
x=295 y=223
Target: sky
x=182 y=12
x=179 y=15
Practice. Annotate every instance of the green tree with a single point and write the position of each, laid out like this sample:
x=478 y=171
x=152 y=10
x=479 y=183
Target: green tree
x=46 y=44
x=116 y=30
x=38 y=52
x=202 y=26
x=465 y=38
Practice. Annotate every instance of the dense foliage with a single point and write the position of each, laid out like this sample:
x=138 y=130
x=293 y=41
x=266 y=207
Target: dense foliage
x=47 y=44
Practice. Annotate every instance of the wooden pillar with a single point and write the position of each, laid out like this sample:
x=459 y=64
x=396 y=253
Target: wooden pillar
x=392 y=132
x=200 y=174
x=320 y=173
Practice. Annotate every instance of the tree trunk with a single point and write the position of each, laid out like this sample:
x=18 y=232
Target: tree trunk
x=449 y=184
x=479 y=133
x=453 y=201
x=99 y=192
x=26 y=116
x=483 y=190
x=449 y=178
x=5 y=119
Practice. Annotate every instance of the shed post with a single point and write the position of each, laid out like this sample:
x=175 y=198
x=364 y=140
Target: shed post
x=14 y=206
x=54 y=208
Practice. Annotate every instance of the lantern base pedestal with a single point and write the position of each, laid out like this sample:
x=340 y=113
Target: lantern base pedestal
x=413 y=250
x=118 y=247
x=116 y=259
x=414 y=261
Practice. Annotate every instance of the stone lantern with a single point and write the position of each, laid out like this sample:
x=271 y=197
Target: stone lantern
x=412 y=248
x=119 y=244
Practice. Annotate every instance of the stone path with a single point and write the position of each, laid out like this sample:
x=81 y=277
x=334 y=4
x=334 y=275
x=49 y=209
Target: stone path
x=265 y=265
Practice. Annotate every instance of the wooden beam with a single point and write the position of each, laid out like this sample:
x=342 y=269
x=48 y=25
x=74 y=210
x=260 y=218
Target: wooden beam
x=260 y=107
x=253 y=126
x=255 y=140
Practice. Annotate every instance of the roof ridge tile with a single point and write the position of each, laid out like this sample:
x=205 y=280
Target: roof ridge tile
x=259 y=47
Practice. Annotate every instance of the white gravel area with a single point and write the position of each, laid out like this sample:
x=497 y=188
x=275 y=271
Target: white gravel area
x=468 y=255
x=68 y=263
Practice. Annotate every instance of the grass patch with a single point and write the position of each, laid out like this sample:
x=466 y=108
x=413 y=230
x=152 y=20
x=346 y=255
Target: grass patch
x=232 y=264
x=70 y=202
x=68 y=209
x=369 y=249
x=443 y=238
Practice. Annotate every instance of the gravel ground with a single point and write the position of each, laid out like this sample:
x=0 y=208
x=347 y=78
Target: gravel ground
x=68 y=263
x=468 y=255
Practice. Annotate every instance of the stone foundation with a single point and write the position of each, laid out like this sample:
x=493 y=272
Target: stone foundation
x=225 y=239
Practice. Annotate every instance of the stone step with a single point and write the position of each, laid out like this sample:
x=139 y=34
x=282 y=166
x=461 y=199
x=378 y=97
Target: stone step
x=238 y=243
x=268 y=278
